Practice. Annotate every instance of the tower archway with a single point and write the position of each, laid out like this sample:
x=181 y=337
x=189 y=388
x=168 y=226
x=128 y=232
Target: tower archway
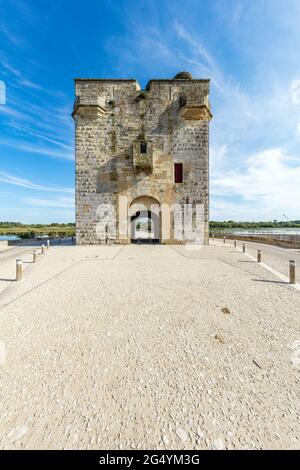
x=145 y=220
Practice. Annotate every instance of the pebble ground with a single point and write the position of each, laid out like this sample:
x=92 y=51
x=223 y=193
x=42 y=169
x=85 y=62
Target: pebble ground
x=148 y=347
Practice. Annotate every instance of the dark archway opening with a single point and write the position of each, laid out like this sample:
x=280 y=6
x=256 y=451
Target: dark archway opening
x=145 y=228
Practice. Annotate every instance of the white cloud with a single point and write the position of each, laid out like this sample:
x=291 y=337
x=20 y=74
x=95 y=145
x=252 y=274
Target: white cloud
x=199 y=48
x=268 y=186
x=295 y=91
x=35 y=148
x=217 y=156
x=10 y=68
x=15 y=39
x=201 y=60
x=25 y=183
x=204 y=64
x=45 y=151
x=48 y=137
x=30 y=84
x=20 y=79
x=9 y=111
x=67 y=202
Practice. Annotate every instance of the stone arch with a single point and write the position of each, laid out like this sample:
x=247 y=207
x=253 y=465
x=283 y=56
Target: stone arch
x=145 y=207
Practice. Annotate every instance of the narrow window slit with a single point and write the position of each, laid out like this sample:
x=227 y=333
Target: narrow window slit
x=143 y=147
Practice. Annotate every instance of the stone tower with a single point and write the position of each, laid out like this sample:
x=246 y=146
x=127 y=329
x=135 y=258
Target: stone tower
x=141 y=153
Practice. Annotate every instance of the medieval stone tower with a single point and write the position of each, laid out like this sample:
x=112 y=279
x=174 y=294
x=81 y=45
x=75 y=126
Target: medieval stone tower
x=141 y=154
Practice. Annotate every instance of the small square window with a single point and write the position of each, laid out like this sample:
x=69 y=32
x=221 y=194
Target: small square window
x=178 y=172
x=143 y=147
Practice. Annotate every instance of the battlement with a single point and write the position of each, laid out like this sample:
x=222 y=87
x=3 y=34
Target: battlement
x=98 y=96
x=203 y=82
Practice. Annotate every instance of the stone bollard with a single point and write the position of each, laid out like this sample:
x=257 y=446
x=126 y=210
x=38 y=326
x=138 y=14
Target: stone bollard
x=224 y=240
x=292 y=272
x=35 y=255
x=234 y=243
x=43 y=249
x=213 y=236
x=19 y=269
x=48 y=244
x=244 y=248
x=258 y=256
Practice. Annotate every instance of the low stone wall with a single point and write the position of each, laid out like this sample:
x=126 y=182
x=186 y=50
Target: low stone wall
x=3 y=244
x=284 y=240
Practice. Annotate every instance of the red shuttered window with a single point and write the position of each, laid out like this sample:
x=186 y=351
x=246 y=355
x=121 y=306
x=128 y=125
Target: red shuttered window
x=178 y=172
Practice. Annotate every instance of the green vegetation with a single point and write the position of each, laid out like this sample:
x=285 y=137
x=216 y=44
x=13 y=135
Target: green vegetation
x=68 y=230
x=213 y=225
x=35 y=230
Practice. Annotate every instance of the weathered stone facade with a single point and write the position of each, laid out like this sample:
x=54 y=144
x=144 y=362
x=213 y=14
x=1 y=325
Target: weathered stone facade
x=127 y=143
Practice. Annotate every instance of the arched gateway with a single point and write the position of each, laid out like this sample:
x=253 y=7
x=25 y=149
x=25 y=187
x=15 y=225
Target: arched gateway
x=145 y=220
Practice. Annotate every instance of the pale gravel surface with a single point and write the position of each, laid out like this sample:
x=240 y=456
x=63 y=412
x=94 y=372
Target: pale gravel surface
x=110 y=347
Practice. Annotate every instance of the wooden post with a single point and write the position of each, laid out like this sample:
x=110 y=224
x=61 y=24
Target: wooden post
x=292 y=272
x=48 y=244
x=258 y=256
x=35 y=255
x=244 y=248
x=43 y=249
x=234 y=243
x=19 y=269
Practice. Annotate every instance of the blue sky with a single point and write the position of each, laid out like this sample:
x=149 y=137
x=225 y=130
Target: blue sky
x=249 y=49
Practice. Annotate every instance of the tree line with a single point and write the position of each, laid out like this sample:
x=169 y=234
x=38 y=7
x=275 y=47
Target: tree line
x=248 y=225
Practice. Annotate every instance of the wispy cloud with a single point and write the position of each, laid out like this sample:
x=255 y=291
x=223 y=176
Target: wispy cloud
x=10 y=68
x=67 y=202
x=198 y=47
x=48 y=137
x=14 y=38
x=204 y=63
x=26 y=183
x=40 y=150
x=28 y=83
x=14 y=113
x=19 y=77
